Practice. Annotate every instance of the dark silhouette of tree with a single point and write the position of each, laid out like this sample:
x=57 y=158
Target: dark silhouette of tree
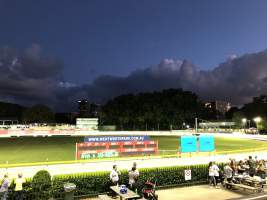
x=229 y=114
x=256 y=108
x=152 y=111
x=10 y=110
x=38 y=114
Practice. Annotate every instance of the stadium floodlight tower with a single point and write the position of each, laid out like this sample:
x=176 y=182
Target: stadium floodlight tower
x=244 y=122
x=257 y=120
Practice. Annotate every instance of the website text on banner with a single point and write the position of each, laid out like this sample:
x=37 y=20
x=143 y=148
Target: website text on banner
x=116 y=138
x=122 y=146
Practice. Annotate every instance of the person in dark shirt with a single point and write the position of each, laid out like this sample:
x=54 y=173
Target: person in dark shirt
x=252 y=166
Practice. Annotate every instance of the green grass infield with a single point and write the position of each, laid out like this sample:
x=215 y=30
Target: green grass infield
x=25 y=151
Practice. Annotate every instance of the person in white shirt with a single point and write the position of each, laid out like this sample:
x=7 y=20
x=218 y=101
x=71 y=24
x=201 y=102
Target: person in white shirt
x=135 y=165
x=216 y=171
x=133 y=176
x=114 y=177
x=212 y=180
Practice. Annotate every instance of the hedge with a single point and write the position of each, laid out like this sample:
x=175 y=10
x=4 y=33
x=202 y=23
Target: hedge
x=94 y=183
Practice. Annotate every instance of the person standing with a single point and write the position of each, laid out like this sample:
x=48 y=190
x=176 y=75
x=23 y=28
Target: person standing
x=19 y=187
x=4 y=187
x=261 y=170
x=114 y=178
x=228 y=174
x=252 y=166
x=135 y=165
x=133 y=176
x=211 y=175
x=114 y=175
x=216 y=171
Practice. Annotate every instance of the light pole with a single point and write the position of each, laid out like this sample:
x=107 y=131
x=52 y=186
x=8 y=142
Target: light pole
x=244 y=122
x=257 y=120
x=196 y=124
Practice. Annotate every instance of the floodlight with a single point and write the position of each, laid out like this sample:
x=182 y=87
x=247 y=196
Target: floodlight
x=244 y=120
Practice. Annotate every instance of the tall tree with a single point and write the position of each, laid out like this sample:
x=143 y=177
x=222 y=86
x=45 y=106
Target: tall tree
x=38 y=114
x=238 y=119
x=153 y=110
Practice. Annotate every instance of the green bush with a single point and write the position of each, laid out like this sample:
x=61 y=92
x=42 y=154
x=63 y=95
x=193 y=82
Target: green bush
x=92 y=183
x=98 y=182
x=41 y=185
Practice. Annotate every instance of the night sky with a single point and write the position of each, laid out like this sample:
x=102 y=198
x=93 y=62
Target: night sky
x=53 y=49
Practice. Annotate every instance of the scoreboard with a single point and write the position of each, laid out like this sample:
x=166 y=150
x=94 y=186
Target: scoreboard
x=88 y=150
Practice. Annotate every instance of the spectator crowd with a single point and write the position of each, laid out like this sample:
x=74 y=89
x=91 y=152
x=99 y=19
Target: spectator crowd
x=251 y=167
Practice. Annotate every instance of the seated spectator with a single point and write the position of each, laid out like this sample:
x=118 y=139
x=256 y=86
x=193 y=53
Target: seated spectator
x=241 y=167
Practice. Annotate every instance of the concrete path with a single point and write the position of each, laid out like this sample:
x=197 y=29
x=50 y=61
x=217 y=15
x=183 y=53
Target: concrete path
x=202 y=192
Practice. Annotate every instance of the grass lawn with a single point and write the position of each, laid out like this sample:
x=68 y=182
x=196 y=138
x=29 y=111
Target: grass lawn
x=221 y=144
x=39 y=149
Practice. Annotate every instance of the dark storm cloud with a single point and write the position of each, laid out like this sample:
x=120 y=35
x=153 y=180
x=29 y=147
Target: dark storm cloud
x=29 y=77
x=236 y=80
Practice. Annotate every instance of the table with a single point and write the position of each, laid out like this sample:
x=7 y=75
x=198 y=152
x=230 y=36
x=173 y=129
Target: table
x=247 y=180
x=129 y=195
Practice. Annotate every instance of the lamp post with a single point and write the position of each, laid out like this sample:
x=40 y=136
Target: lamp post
x=244 y=122
x=257 y=120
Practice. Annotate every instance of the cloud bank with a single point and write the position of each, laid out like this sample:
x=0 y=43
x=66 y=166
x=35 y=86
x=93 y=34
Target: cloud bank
x=29 y=77
x=237 y=80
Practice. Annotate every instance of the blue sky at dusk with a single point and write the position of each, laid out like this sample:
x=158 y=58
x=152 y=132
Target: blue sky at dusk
x=72 y=44
x=96 y=37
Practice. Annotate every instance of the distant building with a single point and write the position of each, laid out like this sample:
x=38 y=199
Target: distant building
x=220 y=107
x=87 y=123
x=84 y=108
x=8 y=121
x=216 y=124
x=260 y=99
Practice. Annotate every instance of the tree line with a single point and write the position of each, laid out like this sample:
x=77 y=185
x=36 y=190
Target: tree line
x=245 y=116
x=164 y=110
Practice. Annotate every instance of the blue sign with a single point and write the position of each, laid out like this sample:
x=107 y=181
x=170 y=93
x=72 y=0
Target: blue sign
x=206 y=143
x=116 y=138
x=188 y=144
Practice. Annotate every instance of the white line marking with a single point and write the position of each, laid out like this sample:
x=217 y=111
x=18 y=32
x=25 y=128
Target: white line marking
x=251 y=198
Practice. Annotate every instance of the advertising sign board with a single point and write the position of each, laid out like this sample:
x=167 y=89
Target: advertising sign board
x=188 y=144
x=206 y=143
